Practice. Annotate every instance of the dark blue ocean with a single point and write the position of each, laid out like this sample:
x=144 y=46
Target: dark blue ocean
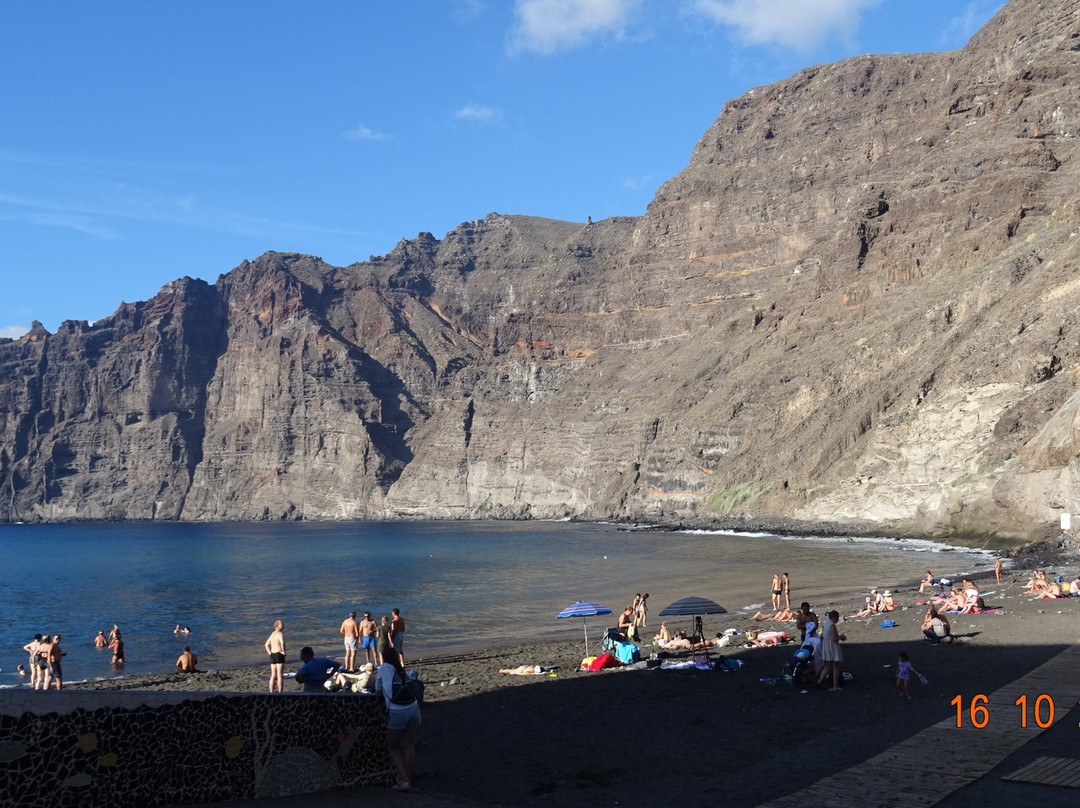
x=459 y=585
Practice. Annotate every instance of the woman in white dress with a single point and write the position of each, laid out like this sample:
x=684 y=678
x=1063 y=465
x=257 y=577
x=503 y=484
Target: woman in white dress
x=831 y=652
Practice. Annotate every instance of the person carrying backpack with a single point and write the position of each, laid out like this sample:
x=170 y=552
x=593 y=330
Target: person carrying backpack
x=403 y=724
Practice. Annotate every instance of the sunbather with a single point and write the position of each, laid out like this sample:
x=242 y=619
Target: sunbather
x=664 y=635
x=764 y=638
x=927 y=582
x=678 y=643
x=782 y=615
x=527 y=670
x=1052 y=591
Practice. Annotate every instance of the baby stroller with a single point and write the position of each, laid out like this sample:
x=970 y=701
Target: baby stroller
x=799 y=670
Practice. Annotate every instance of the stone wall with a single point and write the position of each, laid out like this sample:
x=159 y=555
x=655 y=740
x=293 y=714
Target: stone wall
x=121 y=749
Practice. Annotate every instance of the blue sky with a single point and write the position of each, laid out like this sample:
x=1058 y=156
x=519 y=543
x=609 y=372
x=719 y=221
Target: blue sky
x=141 y=142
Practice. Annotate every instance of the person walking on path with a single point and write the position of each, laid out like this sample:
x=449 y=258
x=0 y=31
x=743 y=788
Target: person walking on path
x=351 y=630
x=275 y=647
x=904 y=672
x=831 y=651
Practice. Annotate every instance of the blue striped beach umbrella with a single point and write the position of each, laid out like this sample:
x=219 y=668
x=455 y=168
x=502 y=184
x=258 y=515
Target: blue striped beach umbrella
x=583 y=609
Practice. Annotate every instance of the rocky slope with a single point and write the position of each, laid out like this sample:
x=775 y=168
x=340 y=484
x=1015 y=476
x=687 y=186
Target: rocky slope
x=857 y=304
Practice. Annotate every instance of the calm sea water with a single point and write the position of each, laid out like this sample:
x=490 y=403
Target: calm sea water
x=459 y=585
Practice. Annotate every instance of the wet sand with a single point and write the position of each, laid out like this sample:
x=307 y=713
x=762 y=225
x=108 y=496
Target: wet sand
x=557 y=740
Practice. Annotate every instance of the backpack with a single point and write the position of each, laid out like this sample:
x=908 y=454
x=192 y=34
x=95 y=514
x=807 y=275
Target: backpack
x=403 y=690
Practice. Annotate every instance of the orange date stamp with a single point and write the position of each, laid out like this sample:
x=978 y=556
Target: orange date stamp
x=1039 y=710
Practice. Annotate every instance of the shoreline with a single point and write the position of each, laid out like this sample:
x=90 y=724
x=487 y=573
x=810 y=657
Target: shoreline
x=243 y=674
x=559 y=738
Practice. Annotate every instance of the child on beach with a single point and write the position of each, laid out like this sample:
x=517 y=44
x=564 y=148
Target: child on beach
x=904 y=672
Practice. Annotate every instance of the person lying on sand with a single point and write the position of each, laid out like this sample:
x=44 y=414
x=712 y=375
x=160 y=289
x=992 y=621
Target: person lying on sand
x=782 y=615
x=718 y=641
x=761 y=639
x=528 y=670
x=680 y=642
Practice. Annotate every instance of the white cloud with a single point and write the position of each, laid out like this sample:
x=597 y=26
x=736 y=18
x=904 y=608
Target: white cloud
x=477 y=113
x=361 y=132
x=545 y=26
x=962 y=27
x=799 y=24
x=13 y=331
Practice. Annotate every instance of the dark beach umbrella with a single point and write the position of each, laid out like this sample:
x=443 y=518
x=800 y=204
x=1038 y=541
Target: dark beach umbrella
x=583 y=609
x=693 y=607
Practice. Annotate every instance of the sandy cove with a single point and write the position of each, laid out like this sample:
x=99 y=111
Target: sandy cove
x=602 y=736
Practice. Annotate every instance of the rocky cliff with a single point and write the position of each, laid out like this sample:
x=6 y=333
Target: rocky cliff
x=857 y=304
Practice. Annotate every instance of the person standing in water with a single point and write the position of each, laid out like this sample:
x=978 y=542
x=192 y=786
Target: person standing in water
x=275 y=647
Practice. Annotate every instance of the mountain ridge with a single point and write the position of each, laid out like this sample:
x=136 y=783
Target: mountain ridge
x=856 y=305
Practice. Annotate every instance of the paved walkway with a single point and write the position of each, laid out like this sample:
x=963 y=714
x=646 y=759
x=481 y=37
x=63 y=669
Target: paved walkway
x=949 y=764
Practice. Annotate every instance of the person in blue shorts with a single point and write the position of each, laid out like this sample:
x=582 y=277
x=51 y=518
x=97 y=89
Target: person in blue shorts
x=367 y=637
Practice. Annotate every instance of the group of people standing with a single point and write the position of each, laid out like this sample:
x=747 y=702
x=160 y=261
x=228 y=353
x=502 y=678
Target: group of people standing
x=383 y=644
x=375 y=639
x=46 y=661
x=634 y=617
x=46 y=657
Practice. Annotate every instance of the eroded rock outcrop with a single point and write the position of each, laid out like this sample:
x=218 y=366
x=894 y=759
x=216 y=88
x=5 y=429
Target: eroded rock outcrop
x=858 y=303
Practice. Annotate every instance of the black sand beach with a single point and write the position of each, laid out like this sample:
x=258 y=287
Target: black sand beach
x=560 y=739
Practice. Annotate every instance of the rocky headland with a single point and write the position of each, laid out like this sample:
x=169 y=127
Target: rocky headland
x=855 y=306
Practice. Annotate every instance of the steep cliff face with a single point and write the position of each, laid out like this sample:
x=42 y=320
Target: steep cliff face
x=857 y=303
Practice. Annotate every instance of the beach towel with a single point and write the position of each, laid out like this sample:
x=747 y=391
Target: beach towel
x=604 y=661
x=887 y=624
x=627 y=652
